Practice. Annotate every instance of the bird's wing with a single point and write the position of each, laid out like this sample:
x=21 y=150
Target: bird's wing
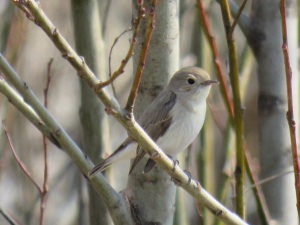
x=156 y=120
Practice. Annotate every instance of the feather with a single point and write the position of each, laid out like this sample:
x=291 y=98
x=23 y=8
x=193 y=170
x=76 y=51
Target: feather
x=156 y=120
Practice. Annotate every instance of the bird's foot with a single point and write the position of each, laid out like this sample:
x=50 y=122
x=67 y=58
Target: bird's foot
x=188 y=173
x=176 y=182
x=175 y=163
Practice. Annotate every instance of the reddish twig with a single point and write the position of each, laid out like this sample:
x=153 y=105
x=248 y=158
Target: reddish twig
x=141 y=63
x=19 y=160
x=218 y=66
x=290 y=112
x=45 y=183
x=227 y=99
x=236 y=19
x=137 y=21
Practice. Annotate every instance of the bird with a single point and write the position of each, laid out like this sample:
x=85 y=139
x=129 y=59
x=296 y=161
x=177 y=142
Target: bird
x=172 y=120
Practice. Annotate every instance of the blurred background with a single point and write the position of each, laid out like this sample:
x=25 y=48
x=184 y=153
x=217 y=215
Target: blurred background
x=28 y=50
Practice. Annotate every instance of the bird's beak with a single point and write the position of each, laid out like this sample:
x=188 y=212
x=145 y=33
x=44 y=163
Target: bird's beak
x=209 y=82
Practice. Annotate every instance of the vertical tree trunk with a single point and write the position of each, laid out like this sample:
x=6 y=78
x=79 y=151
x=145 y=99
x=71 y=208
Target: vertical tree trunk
x=90 y=45
x=275 y=147
x=152 y=196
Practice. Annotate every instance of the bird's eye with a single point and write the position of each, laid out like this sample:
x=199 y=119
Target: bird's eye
x=191 y=81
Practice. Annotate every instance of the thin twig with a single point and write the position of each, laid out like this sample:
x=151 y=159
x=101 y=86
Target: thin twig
x=105 y=16
x=8 y=218
x=47 y=82
x=238 y=112
x=290 y=113
x=260 y=199
x=142 y=60
x=262 y=208
x=263 y=181
x=137 y=21
x=45 y=183
x=26 y=110
x=220 y=74
x=19 y=160
x=236 y=19
x=109 y=58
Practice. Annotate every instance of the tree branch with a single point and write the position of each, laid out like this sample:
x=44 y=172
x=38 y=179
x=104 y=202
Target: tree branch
x=23 y=167
x=124 y=62
x=236 y=19
x=113 y=200
x=244 y=20
x=221 y=77
x=238 y=112
x=45 y=183
x=8 y=218
x=142 y=60
x=290 y=113
x=93 y=120
x=228 y=102
x=15 y=99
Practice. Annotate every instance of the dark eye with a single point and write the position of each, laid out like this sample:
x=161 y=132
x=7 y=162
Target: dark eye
x=191 y=81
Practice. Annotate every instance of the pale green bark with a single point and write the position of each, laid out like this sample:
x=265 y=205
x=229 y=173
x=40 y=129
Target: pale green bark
x=89 y=44
x=154 y=193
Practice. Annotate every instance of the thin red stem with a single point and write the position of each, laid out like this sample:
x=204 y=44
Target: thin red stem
x=23 y=167
x=290 y=112
x=212 y=43
x=45 y=183
x=142 y=60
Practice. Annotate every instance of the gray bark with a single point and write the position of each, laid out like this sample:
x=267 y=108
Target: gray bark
x=89 y=44
x=152 y=196
x=275 y=147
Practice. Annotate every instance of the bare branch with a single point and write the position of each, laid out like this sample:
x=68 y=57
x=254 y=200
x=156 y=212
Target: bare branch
x=15 y=99
x=105 y=16
x=8 y=218
x=109 y=58
x=238 y=112
x=290 y=113
x=124 y=62
x=236 y=19
x=220 y=74
x=45 y=183
x=243 y=21
x=27 y=173
x=113 y=200
x=142 y=60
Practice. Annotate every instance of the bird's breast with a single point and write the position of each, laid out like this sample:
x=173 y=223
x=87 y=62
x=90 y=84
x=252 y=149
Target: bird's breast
x=184 y=128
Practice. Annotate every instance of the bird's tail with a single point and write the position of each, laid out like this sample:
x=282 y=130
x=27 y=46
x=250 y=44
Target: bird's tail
x=100 y=167
x=117 y=155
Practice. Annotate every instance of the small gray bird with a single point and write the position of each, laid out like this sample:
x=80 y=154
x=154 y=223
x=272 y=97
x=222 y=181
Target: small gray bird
x=173 y=119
